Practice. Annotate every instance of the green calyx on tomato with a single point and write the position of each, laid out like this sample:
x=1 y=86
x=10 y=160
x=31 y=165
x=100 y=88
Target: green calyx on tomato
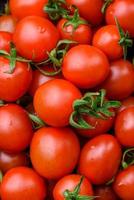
x=37 y=122
x=105 y=5
x=92 y=104
x=128 y=158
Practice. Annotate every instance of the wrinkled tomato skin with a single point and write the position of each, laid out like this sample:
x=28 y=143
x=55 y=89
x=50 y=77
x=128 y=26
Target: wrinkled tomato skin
x=36 y=43
x=69 y=182
x=80 y=66
x=105 y=193
x=106 y=39
x=126 y=103
x=23 y=8
x=5 y=40
x=14 y=85
x=23 y=183
x=124 y=184
x=100 y=159
x=54 y=152
x=16 y=128
x=53 y=101
x=7 y=23
x=124 y=127
x=124 y=11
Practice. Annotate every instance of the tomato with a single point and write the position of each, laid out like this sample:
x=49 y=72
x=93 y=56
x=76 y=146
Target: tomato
x=54 y=152
x=89 y=10
x=36 y=43
x=120 y=82
x=105 y=193
x=23 y=8
x=8 y=161
x=124 y=11
x=23 y=183
x=15 y=128
x=124 y=127
x=69 y=183
x=5 y=40
x=14 y=85
x=100 y=159
x=85 y=66
x=53 y=101
x=124 y=184
x=7 y=23
x=126 y=103
x=106 y=39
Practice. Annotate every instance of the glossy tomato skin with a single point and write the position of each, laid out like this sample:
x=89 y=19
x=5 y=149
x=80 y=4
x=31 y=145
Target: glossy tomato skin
x=8 y=23
x=5 y=40
x=105 y=193
x=120 y=82
x=124 y=127
x=80 y=66
x=16 y=128
x=23 y=8
x=69 y=182
x=54 y=152
x=126 y=103
x=36 y=43
x=124 y=184
x=23 y=183
x=82 y=34
x=106 y=39
x=124 y=11
x=89 y=10
x=53 y=101
x=100 y=159
x=10 y=90
x=9 y=161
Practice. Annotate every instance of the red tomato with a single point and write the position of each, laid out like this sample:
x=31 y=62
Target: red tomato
x=15 y=128
x=54 y=152
x=9 y=161
x=124 y=184
x=69 y=183
x=120 y=82
x=23 y=183
x=126 y=103
x=100 y=159
x=124 y=11
x=106 y=39
x=5 y=40
x=14 y=85
x=105 y=193
x=124 y=127
x=34 y=37
x=89 y=10
x=85 y=66
x=23 y=8
x=53 y=101
x=7 y=23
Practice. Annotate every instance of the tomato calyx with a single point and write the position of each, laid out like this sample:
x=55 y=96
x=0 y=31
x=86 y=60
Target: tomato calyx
x=37 y=122
x=92 y=104
x=105 y=5
x=128 y=158
x=1 y=176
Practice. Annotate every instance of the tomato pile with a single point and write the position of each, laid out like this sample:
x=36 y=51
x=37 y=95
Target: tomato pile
x=66 y=100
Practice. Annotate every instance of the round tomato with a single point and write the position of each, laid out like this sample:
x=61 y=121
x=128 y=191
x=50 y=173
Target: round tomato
x=105 y=193
x=53 y=101
x=34 y=37
x=85 y=66
x=15 y=128
x=70 y=182
x=14 y=85
x=126 y=103
x=5 y=40
x=7 y=23
x=124 y=184
x=54 y=152
x=22 y=183
x=100 y=159
x=124 y=127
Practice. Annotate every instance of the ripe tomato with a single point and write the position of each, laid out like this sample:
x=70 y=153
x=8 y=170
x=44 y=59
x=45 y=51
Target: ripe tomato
x=23 y=183
x=105 y=193
x=7 y=23
x=14 y=85
x=124 y=184
x=89 y=9
x=54 y=152
x=15 y=128
x=124 y=127
x=126 y=103
x=53 y=101
x=36 y=43
x=124 y=11
x=120 y=82
x=23 y=8
x=69 y=183
x=106 y=39
x=5 y=40
x=100 y=159
x=80 y=66
x=9 y=161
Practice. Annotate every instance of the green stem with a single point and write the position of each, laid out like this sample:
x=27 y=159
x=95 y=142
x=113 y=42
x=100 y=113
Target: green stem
x=36 y=120
x=105 y=5
x=124 y=163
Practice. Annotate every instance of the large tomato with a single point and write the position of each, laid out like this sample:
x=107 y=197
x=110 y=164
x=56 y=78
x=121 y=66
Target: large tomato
x=8 y=23
x=5 y=40
x=34 y=37
x=54 y=152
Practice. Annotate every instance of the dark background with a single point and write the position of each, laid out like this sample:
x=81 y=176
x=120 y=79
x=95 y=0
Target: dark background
x=2 y=2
